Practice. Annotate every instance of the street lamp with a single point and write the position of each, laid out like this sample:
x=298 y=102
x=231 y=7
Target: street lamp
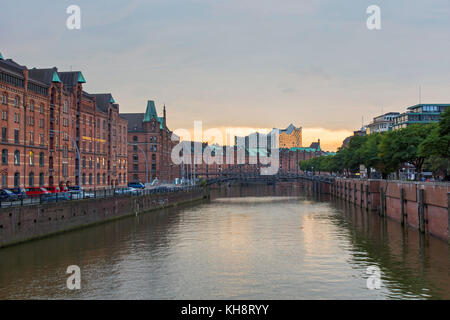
x=145 y=157
x=78 y=152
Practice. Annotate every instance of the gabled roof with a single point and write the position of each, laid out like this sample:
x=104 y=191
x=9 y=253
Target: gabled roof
x=134 y=121
x=315 y=145
x=46 y=76
x=12 y=67
x=102 y=101
x=71 y=78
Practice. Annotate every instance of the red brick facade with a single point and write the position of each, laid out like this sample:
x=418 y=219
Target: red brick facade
x=150 y=147
x=43 y=112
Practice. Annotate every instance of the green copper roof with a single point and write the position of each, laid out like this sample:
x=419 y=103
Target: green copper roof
x=81 y=78
x=1 y=57
x=306 y=149
x=150 y=112
x=55 y=77
x=112 y=100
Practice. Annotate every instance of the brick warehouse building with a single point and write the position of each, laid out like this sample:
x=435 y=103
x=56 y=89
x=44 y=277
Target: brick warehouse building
x=46 y=117
x=150 y=146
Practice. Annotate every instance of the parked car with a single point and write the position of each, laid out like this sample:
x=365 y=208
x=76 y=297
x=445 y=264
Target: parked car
x=39 y=193
x=76 y=192
x=53 y=189
x=6 y=195
x=20 y=192
x=36 y=192
x=136 y=185
x=129 y=190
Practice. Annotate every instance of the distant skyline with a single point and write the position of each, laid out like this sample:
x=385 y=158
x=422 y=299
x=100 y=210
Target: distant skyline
x=245 y=64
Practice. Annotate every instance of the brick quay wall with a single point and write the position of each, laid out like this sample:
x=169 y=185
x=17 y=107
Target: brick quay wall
x=423 y=206
x=24 y=223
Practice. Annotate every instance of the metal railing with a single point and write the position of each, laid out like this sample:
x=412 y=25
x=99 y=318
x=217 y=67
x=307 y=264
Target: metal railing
x=91 y=194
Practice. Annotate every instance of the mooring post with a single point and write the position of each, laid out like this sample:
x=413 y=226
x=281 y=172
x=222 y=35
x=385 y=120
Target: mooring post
x=402 y=205
x=354 y=193
x=420 y=209
x=361 y=192
x=382 y=199
x=448 y=217
x=367 y=197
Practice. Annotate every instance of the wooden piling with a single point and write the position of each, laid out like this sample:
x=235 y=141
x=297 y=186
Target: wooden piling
x=448 y=217
x=382 y=202
x=421 y=209
x=402 y=205
x=367 y=197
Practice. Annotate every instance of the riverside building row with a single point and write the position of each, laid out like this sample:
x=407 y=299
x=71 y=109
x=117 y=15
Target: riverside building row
x=53 y=133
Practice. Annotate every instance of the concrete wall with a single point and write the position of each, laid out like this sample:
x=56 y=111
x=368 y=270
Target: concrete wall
x=18 y=224
x=420 y=205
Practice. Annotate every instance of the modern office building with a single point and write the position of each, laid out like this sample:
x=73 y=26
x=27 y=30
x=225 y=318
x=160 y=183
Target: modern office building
x=419 y=114
x=383 y=122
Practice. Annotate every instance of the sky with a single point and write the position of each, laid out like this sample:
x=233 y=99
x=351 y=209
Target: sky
x=244 y=64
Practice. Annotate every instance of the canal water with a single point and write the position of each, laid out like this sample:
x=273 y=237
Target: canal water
x=253 y=242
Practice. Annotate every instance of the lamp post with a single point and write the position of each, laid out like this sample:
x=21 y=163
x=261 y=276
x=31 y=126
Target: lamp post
x=145 y=157
x=78 y=152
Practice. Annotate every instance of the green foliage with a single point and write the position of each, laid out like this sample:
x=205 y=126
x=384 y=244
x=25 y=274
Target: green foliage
x=386 y=152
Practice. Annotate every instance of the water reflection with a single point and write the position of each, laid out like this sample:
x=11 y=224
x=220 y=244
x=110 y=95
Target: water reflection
x=252 y=242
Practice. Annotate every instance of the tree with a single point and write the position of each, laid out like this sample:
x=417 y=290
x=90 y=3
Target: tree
x=402 y=146
x=369 y=152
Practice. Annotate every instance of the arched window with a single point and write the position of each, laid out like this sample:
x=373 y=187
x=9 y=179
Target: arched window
x=83 y=162
x=41 y=179
x=31 y=106
x=31 y=179
x=83 y=181
x=17 y=158
x=17 y=102
x=98 y=178
x=16 y=180
x=120 y=178
x=4 y=156
x=31 y=158
x=90 y=163
x=90 y=178
x=104 y=178
x=135 y=138
x=154 y=157
x=41 y=159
